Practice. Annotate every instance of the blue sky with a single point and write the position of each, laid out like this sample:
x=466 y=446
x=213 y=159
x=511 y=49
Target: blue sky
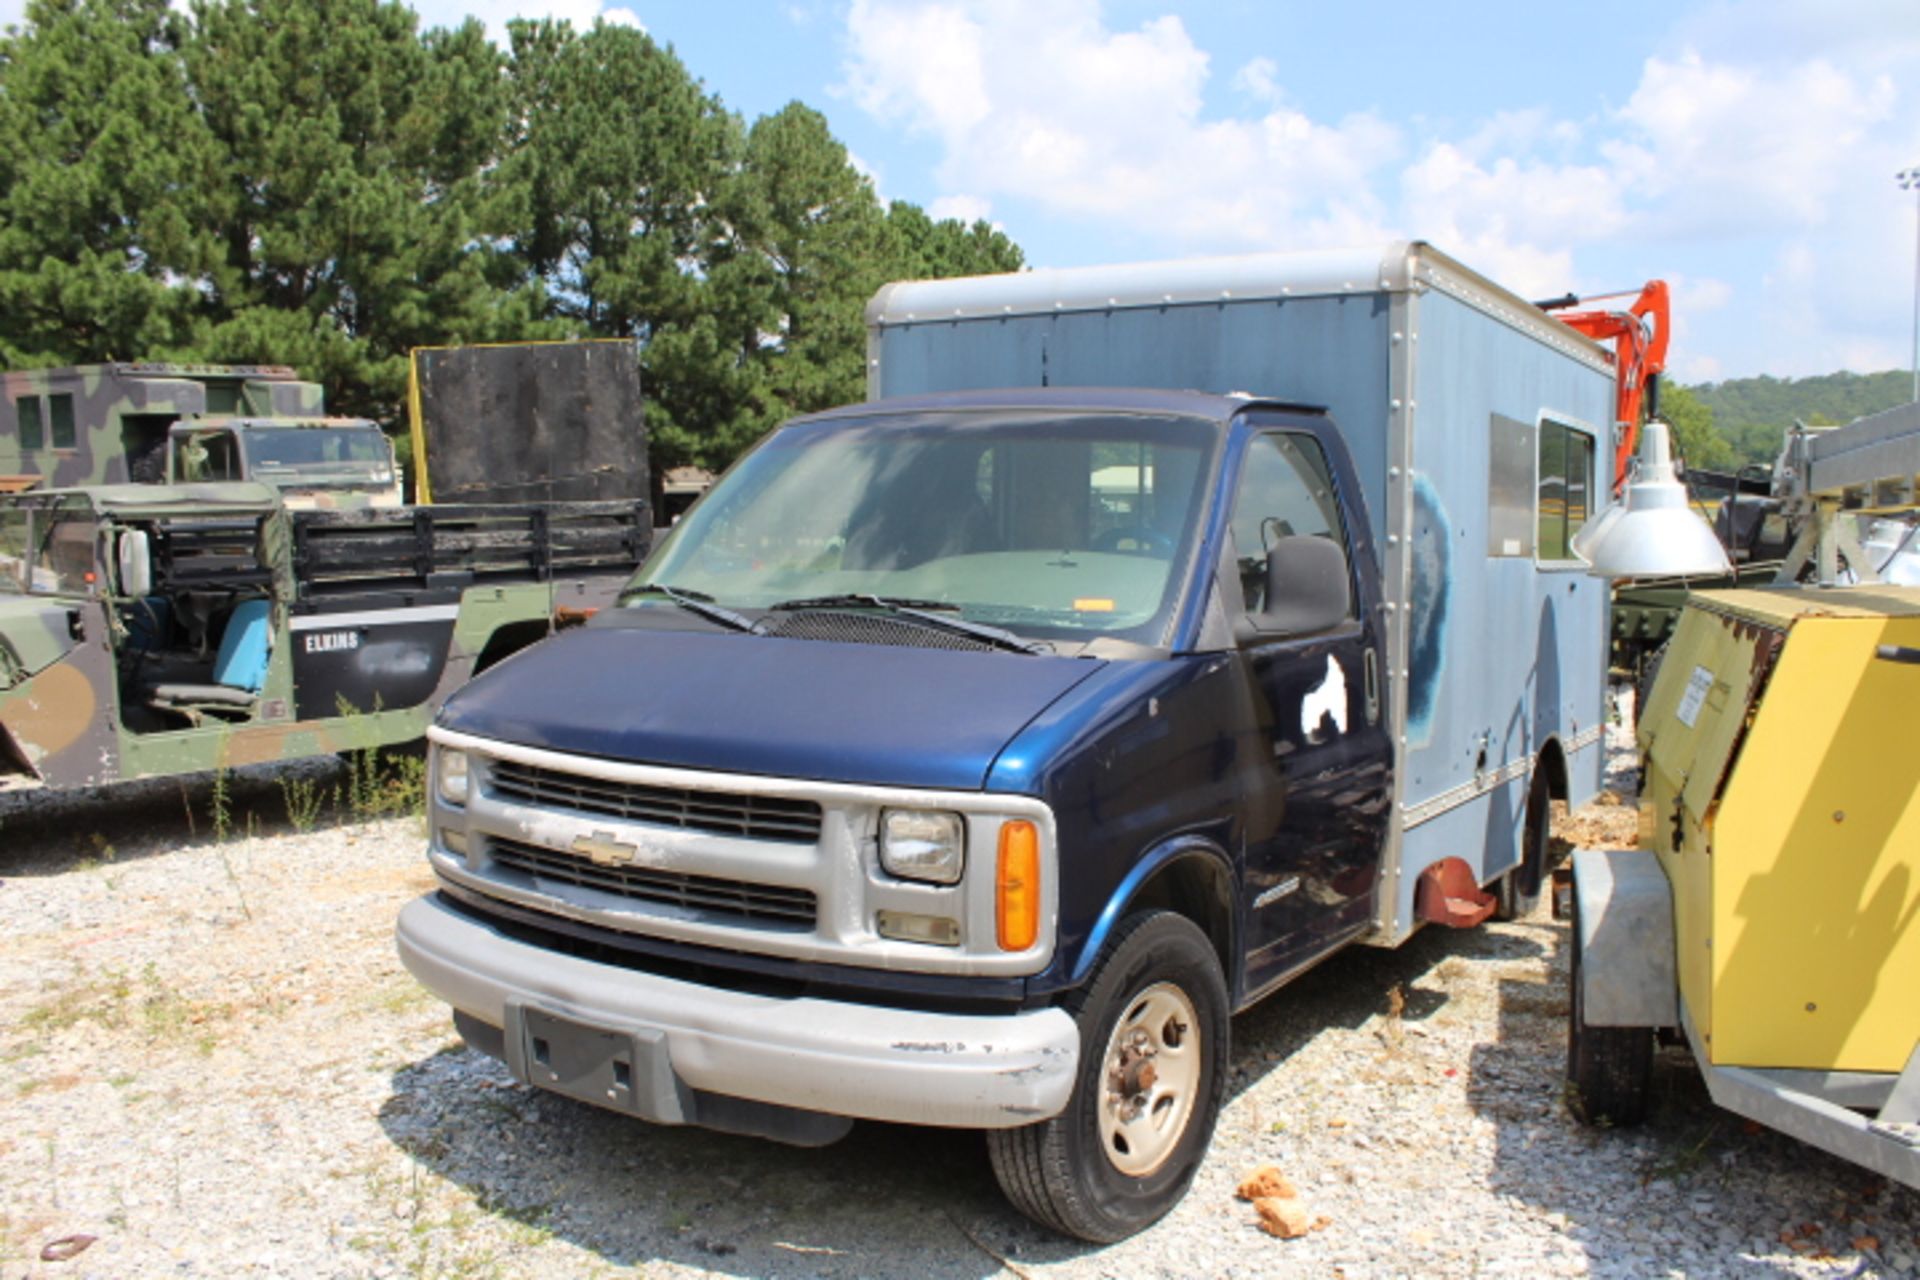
x=1744 y=150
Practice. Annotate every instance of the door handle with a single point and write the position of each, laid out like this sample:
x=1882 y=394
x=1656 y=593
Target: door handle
x=1372 y=668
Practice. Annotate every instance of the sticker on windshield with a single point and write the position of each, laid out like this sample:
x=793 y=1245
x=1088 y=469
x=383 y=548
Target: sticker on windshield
x=1691 y=701
x=1092 y=604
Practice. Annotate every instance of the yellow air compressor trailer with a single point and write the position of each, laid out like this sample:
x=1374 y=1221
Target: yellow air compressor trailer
x=1772 y=911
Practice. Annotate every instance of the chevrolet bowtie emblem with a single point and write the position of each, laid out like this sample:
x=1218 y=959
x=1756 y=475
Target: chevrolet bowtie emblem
x=604 y=851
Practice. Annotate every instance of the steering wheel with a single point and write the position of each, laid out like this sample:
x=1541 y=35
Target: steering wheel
x=1135 y=540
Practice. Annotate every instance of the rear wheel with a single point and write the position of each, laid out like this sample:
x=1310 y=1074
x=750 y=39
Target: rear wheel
x=1153 y=1065
x=1609 y=1069
x=1518 y=892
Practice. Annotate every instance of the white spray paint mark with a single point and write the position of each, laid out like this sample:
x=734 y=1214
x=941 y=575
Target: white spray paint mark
x=1326 y=700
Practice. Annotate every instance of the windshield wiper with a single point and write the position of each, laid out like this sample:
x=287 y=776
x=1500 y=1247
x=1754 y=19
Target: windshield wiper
x=695 y=602
x=919 y=611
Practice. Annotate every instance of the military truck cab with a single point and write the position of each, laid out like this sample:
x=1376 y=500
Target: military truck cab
x=189 y=424
x=315 y=463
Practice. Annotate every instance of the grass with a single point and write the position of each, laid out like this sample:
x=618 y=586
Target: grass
x=117 y=1001
x=402 y=996
x=386 y=785
x=434 y=1228
x=101 y=1000
x=1685 y=1158
x=220 y=803
x=303 y=798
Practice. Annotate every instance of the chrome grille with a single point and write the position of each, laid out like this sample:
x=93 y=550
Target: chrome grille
x=722 y=812
x=760 y=903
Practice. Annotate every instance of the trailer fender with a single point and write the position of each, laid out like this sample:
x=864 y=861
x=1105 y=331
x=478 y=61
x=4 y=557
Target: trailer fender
x=1627 y=958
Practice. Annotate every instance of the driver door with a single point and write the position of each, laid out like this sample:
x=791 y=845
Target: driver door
x=1315 y=824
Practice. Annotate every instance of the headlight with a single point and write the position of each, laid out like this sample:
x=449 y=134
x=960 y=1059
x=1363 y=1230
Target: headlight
x=923 y=844
x=450 y=775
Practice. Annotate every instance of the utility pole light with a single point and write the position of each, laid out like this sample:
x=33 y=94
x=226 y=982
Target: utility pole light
x=1909 y=180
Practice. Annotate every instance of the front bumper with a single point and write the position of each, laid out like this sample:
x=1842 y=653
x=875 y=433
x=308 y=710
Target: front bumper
x=842 y=1059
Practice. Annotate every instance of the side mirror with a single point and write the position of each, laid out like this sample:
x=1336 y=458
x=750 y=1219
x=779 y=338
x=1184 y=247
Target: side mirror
x=1307 y=588
x=135 y=558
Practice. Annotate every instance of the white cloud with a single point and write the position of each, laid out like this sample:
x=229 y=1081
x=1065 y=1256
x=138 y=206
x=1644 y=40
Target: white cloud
x=1724 y=149
x=1045 y=103
x=1259 y=80
x=1698 y=294
x=1733 y=157
x=494 y=14
x=871 y=173
x=968 y=209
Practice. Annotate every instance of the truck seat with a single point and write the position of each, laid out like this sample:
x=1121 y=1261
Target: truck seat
x=239 y=670
x=244 y=648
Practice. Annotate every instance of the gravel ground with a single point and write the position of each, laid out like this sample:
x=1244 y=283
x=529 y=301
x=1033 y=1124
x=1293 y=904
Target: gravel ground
x=216 y=1066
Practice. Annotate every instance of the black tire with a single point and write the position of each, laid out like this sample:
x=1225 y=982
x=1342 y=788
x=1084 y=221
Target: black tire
x=1609 y=1069
x=1059 y=1172
x=1518 y=892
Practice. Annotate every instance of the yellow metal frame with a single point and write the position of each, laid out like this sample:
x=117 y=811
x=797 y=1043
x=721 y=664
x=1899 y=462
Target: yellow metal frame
x=1783 y=799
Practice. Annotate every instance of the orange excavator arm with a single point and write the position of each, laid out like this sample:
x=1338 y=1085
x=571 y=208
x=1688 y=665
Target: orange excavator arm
x=1639 y=335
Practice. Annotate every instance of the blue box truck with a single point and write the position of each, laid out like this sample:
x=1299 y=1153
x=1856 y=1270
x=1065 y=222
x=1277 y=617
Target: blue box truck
x=968 y=756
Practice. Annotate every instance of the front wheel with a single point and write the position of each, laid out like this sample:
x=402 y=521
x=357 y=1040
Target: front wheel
x=1153 y=1068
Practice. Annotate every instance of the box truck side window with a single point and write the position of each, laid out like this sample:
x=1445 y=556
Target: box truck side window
x=1565 y=487
x=1285 y=491
x=32 y=434
x=1513 y=499
x=60 y=416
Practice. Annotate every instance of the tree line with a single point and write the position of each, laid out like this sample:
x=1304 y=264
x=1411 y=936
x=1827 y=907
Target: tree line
x=1742 y=422
x=321 y=183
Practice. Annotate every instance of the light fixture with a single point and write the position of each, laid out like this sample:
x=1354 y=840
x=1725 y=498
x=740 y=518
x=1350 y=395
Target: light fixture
x=1655 y=532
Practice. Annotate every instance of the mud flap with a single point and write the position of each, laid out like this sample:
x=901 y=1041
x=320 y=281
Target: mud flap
x=1446 y=893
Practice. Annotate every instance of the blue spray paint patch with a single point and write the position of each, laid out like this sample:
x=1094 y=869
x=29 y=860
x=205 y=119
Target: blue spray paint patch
x=1432 y=588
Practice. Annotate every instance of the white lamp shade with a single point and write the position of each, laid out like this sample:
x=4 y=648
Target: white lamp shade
x=1655 y=532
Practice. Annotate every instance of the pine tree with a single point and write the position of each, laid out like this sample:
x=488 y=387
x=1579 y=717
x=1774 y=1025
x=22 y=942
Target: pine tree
x=101 y=183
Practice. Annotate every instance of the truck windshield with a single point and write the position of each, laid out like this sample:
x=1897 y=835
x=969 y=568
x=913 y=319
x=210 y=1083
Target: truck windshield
x=355 y=453
x=47 y=548
x=1062 y=525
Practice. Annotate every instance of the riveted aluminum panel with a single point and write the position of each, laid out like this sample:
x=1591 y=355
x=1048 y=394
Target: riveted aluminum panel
x=1504 y=654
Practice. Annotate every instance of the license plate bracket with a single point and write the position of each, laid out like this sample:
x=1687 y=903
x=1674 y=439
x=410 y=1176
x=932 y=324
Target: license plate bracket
x=622 y=1068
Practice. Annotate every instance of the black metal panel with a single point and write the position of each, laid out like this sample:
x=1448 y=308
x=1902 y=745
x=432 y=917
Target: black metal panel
x=367 y=666
x=535 y=422
x=462 y=544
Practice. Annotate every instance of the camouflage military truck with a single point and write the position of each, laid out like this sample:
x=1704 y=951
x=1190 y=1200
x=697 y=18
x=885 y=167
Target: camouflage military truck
x=190 y=423
x=148 y=630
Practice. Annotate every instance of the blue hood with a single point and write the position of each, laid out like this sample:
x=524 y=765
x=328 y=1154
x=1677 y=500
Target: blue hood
x=758 y=704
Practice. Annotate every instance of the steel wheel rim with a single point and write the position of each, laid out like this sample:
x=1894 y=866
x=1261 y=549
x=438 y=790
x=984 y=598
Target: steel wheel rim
x=1149 y=1079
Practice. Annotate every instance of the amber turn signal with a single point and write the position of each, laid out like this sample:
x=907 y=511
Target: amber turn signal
x=1016 y=899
